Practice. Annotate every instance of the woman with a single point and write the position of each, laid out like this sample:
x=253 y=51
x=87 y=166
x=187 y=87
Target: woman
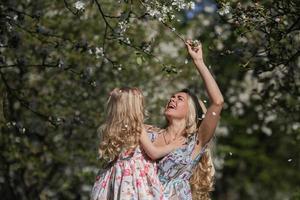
x=191 y=164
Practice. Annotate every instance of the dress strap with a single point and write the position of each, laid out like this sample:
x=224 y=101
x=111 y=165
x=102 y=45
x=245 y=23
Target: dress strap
x=152 y=135
x=152 y=132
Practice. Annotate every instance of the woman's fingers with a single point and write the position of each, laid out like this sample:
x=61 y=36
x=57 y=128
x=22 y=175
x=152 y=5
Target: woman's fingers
x=194 y=48
x=188 y=42
x=189 y=47
x=193 y=45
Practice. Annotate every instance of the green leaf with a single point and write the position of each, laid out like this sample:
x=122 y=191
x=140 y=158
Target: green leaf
x=139 y=60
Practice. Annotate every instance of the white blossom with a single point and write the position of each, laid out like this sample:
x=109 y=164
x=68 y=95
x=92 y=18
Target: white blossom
x=18 y=140
x=99 y=52
x=209 y=9
x=225 y=10
x=79 y=5
x=61 y=63
x=127 y=40
x=163 y=11
x=296 y=126
x=123 y=25
x=94 y=84
x=191 y=5
x=266 y=130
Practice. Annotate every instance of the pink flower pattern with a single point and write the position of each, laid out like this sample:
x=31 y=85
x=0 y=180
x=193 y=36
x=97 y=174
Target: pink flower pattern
x=131 y=177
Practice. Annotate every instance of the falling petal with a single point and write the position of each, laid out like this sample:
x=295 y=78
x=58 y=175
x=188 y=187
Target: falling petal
x=290 y=160
x=230 y=153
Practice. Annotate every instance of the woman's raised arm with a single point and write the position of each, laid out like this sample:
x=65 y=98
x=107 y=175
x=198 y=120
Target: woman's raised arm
x=210 y=121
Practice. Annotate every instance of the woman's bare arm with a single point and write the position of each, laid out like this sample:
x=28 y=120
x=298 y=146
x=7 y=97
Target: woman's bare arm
x=212 y=116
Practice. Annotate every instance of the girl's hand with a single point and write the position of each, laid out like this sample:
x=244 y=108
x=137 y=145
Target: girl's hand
x=195 y=49
x=178 y=142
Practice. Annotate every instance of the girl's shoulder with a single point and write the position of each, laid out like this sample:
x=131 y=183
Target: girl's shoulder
x=153 y=131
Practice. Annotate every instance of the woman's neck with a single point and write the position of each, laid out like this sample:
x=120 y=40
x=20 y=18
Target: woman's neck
x=176 y=128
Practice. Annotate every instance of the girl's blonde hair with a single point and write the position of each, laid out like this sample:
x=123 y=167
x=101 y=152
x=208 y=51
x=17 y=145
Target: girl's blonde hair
x=124 y=121
x=202 y=180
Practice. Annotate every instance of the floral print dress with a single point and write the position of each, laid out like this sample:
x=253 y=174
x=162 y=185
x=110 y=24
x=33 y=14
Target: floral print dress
x=176 y=169
x=133 y=176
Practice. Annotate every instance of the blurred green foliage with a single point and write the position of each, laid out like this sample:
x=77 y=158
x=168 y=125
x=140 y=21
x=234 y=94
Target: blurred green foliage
x=60 y=59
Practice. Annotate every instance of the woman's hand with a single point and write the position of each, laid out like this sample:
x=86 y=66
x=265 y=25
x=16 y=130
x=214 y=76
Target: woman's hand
x=178 y=142
x=195 y=50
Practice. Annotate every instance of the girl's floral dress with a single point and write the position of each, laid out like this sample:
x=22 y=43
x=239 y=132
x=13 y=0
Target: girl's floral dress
x=175 y=170
x=132 y=177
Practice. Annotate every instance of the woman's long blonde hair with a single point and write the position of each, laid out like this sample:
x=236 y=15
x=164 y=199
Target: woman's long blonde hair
x=202 y=180
x=124 y=121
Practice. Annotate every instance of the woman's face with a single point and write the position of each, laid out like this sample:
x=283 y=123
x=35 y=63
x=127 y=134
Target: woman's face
x=177 y=107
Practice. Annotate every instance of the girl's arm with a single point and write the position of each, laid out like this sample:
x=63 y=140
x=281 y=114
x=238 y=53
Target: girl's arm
x=156 y=152
x=212 y=115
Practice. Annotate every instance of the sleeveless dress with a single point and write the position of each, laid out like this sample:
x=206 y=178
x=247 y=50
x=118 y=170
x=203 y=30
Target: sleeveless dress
x=176 y=168
x=133 y=176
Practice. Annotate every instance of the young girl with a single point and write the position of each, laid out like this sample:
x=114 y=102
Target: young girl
x=132 y=174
